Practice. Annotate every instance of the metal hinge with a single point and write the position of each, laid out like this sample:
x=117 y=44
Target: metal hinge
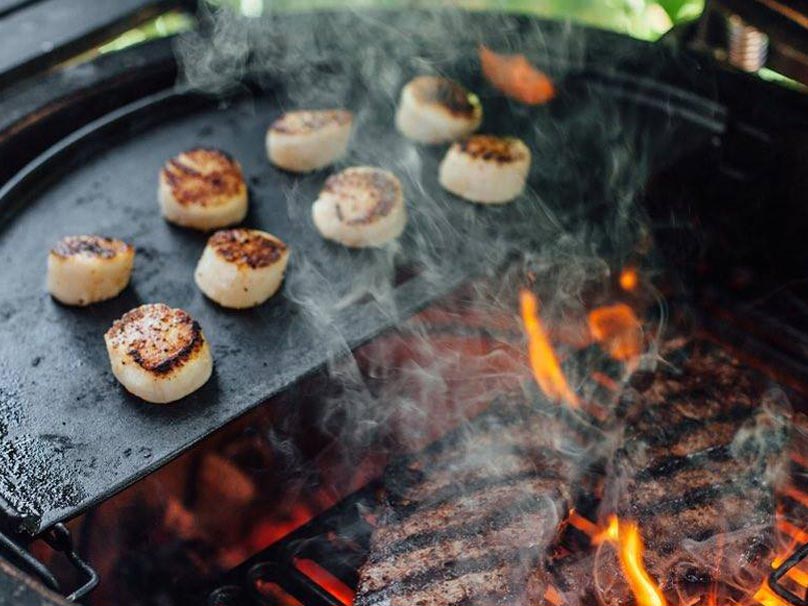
x=59 y=539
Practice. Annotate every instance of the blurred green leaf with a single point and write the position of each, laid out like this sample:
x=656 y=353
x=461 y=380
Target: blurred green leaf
x=682 y=10
x=647 y=19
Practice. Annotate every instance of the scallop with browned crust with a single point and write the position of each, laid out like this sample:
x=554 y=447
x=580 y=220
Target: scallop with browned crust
x=437 y=110
x=88 y=269
x=241 y=267
x=486 y=169
x=203 y=189
x=360 y=207
x=306 y=140
x=158 y=353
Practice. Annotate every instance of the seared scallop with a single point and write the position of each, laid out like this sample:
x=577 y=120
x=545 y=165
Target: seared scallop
x=437 y=110
x=360 y=207
x=203 y=189
x=158 y=353
x=88 y=269
x=486 y=169
x=241 y=267
x=302 y=141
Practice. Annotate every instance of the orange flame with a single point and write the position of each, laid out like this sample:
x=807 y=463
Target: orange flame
x=578 y=521
x=766 y=597
x=629 y=279
x=626 y=536
x=516 y=77
x=552 y=596
x=543 y=360
x=618 y=330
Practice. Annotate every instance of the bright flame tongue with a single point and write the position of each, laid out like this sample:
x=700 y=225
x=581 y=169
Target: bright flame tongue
x=626 y=537
x=543 y=360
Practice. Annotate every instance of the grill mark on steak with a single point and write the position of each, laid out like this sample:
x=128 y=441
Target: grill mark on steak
x=494 y=521
x=671 y=465
x=470 y=508
x=696 y=462
x=456 y=529
x=691 y=475
x=497 y=541
x=462 y=590
x=688 y=429
x=704 y=521
x=695 y=497
x=447 y=571
x=710 y=467
x=496 y=538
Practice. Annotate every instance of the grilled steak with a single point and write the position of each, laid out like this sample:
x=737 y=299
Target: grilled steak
x=466 y=521
x=695 y=469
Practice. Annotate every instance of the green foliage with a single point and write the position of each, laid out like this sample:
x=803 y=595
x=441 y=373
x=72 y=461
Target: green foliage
x=647 y=19
x=682 y=10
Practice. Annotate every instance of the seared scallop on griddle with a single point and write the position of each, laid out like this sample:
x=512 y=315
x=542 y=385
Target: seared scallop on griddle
x=486 y=169
x=203 y=189
x=241 y=267
x=437 y=110
x=158 y=353
x=361 y=207
x=88 y=269
x=305 y=140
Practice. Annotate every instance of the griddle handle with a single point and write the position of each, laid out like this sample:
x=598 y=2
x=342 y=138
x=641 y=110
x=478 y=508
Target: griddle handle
x=59 y=539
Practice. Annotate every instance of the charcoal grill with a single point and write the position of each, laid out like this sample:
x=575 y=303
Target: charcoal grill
x=721 y=157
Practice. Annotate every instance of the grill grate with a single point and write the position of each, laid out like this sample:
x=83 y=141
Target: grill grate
x=777 y=575
x=316 y=565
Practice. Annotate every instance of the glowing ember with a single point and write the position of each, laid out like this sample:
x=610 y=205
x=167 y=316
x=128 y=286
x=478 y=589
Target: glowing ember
x=581 y=523
x=516 y=77
x=626 y=537
x=552 y=596
x=269 y=531
x=794 y=532
x=274 y=594
x=326 y=580
x=543 y=360
x=618 y=330
x=629 y=279
x=796 y=494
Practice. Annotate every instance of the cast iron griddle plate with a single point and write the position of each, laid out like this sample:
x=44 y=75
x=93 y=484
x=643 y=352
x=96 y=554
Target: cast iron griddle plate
x=70 y=435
